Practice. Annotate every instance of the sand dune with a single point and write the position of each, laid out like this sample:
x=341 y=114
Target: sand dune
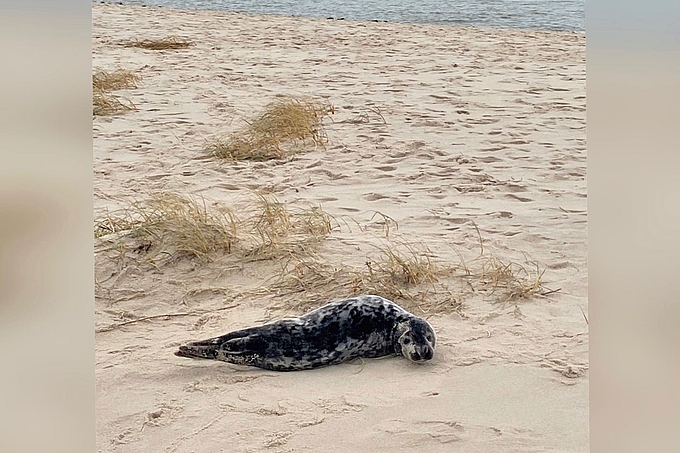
x=453 y=133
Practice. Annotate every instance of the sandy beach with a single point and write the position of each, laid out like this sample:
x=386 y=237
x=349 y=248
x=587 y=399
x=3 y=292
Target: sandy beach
x=464 y=145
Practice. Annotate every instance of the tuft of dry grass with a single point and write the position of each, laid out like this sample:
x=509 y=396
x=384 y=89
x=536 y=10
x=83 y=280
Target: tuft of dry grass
x=513 y=280
x=409 y=273
x=105 y=103
x=487 y=274
x=401 y=271
x=405 y=272
x=404 y=265
x=176 y=226
x=276 y=230
x=103 y=82
x=114 y=80
x=172 y=225
x=283 y=128
x=171 y=42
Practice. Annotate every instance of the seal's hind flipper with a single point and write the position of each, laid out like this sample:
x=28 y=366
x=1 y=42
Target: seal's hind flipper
x=210 y=348
x=194 y=351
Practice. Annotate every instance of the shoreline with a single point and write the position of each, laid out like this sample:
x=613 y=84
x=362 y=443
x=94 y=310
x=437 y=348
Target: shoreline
x=351 y=21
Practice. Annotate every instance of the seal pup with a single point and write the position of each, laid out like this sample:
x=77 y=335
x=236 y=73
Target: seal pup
x=363 y=326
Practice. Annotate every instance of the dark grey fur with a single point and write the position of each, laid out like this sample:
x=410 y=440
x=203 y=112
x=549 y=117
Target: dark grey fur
x=364 y=326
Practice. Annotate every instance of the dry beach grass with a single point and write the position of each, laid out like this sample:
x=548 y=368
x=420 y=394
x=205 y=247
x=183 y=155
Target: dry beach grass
x=167 y=226
x=114 y=80
x=284 y=127
x=174 y=226
x=103 y=82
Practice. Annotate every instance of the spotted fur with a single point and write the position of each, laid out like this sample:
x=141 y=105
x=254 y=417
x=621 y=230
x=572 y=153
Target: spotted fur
x=364 y=326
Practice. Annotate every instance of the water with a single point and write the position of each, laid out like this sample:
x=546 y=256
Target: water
x=533 y=14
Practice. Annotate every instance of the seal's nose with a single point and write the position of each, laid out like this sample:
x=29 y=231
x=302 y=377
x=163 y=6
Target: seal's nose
x=427 y=353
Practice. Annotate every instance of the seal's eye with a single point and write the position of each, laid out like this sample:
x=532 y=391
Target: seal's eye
x=407 y=340
x=428 y=337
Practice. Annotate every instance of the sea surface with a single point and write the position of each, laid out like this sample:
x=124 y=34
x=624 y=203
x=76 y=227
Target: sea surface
x=529 y=14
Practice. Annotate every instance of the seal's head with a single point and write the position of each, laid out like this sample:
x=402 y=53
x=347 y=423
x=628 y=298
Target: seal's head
x=417 y=340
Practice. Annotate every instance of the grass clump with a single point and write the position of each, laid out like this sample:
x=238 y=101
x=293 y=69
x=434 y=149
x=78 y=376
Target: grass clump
x=410 y=274
x=283 y=128
x=171 y=42
x=277 y=230
x=172 y=225
x=401 y=271
x=513 y=280
x=114 y=80
x=103 y=82
x=104 y=103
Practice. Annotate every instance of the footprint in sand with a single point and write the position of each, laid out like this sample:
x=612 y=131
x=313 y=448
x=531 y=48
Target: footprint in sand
x=489 y=160
x=515 y=187
x=522 y=199
x=560 y=265
x=374 y=196
x=501 y=214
